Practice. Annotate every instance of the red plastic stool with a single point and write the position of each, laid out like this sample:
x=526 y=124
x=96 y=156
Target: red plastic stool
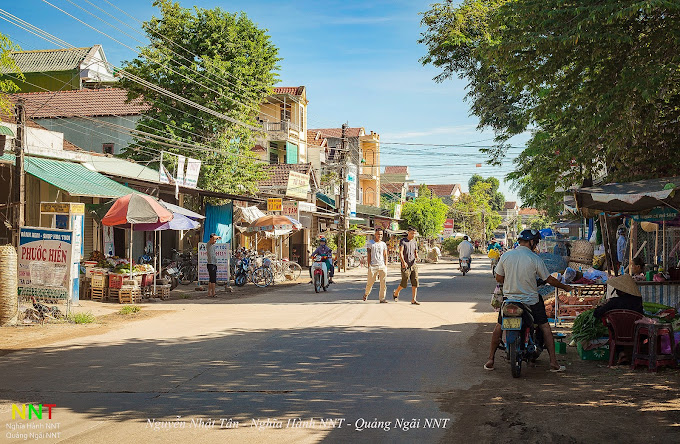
x=653 y=356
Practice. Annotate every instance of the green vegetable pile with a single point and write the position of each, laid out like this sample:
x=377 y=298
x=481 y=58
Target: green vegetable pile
x=586 y=327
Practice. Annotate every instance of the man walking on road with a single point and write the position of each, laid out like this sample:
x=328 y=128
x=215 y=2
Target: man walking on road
x=212 y=264
x=517 y=270
x=377 y=265
x=408 y=253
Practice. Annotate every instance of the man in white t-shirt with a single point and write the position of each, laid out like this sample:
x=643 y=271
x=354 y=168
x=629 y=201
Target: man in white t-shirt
x=465 y=250
x=376 y=256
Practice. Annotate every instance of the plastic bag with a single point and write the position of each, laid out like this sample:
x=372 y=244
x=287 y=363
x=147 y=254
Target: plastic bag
x=497 y=297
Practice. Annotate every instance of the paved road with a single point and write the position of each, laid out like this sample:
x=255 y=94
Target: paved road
x=376 y=369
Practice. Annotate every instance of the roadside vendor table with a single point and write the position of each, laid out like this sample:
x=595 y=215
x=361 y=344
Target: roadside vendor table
x=580 y=291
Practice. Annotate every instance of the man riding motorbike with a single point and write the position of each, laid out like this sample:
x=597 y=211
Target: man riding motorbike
x=517 y=270
x=465 y=250
x=324 y=250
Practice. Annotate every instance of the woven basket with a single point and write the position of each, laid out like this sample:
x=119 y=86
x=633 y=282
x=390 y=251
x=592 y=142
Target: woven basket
x=582 y=251
x=8 y=285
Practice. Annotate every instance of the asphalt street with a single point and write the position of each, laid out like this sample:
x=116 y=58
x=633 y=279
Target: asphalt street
x=285 y=366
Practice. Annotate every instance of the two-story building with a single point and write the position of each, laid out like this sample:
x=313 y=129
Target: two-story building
x=283 y=116
x=61 y=69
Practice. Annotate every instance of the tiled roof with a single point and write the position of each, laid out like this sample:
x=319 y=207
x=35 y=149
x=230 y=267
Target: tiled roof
x=279 y=174
x=510 y=205
x=259 y=148
x=529 y=212
x=388 y=187
x=396 y=170
x=81 y=103
x=316 y=139
x=292 y=90
x=50 y=59
x=445 y=190
x=337 y=132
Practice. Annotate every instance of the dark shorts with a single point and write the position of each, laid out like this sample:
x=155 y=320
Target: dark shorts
x=212 y=272
x=537 y=310
x=411 y=273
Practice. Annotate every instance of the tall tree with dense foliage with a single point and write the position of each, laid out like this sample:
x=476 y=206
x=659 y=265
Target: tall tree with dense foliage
x=217 y=59
x=472 y=212
x=598 y=83
x=426 y=214
x=496 y=198
x=10 y=69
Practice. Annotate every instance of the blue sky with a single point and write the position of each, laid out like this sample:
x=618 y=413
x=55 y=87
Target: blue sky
x=358 y=60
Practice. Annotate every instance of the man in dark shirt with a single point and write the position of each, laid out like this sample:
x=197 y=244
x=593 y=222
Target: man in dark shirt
x=408 y=254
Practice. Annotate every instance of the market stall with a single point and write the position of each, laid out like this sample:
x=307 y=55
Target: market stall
x=129 y=279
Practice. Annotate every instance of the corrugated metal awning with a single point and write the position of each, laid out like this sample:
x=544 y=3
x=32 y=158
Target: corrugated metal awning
x=72 y=177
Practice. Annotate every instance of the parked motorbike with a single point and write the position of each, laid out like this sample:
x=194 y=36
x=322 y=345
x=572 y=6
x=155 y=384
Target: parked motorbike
x=523 y=339
x=170 y=272
x=241 y=271
x=464 y=265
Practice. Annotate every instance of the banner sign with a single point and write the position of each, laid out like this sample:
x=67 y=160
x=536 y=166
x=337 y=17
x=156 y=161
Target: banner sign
x=290 y=208
x=448 y=228
x=298 y=185
x=180 y=170
x=352 y=189
x=274 y=204
x=223 y=253
x=62 y=208
x=306 y=207
x=193 y=169
x=397 y=211
x=46 y=262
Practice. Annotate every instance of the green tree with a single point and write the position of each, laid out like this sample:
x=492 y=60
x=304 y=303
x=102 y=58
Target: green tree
x=427 y=215
x=496 y=198
x=10 y=69
x=597 y=82
x=225 y=63
x=472 y=213
x=539 y=222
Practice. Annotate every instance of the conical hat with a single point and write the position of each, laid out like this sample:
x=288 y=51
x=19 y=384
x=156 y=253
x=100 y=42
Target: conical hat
x=625 y=283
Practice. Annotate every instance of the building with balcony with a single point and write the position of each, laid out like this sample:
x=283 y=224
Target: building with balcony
x=363 y=150
x=283 y=116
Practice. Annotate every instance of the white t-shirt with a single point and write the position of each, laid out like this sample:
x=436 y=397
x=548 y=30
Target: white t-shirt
x=377 y=251
x=520 y=267
x=465 y=249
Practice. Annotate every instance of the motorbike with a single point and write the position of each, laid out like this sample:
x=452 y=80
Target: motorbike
x=170 y=271
x=320 y=274
x=464 y=265
x=523 y=339
x=241 y=271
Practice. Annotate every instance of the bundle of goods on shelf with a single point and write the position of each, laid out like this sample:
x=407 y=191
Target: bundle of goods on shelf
x=582 y=253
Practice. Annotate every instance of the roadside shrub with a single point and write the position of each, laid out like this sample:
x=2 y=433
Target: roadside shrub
x=81 y=318
x=450 y=245
x=130 y=309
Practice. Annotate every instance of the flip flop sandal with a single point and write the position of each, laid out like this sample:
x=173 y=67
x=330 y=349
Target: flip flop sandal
x=365 y=297
x=394 y=295
x=559 y=370
x=488 y=368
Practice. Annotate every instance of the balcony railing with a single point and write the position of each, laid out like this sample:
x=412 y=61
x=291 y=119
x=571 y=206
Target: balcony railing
x=370 y=170
x=284 y=126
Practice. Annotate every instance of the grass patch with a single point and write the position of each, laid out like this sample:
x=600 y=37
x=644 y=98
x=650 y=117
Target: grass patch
x=184 y=296
x=81 y=318
x=130 y=309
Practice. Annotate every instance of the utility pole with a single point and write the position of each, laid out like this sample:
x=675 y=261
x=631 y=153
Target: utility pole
x=483 y=230
x=19 y=179
x=345 y=195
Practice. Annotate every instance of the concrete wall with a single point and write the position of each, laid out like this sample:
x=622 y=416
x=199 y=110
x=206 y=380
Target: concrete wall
x=90 y=136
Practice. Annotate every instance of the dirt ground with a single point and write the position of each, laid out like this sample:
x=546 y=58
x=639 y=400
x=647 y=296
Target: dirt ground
x=588 y=403
x=107 y=316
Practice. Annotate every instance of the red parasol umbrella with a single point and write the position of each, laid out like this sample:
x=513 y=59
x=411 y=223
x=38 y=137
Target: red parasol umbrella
x=136 y=209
